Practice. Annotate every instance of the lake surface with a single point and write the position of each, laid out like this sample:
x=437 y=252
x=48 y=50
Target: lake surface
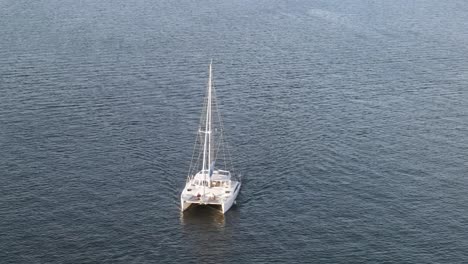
x=348 y=120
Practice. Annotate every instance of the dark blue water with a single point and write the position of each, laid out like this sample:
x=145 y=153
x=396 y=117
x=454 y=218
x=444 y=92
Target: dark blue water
x=348 y=119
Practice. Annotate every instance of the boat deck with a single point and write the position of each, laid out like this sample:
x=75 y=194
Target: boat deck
x=214 y=195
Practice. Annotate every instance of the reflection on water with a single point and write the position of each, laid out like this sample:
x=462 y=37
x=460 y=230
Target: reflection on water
x=209 y=232
x=209 y=216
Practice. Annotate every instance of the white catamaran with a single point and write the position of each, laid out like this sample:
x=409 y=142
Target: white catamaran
x=213 y=181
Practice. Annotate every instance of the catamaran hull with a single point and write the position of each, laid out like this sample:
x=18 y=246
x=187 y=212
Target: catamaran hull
x=185 y=205
x=225 y=204
x=229 y=202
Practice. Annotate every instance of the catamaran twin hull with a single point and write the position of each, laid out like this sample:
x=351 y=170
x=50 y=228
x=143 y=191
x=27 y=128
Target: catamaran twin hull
x=222 y=191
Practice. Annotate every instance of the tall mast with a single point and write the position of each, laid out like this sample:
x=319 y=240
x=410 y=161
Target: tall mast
x=207 y=141
x=209 y=125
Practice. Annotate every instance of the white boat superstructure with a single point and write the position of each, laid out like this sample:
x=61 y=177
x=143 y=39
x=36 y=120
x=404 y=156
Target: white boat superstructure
x=210 y=180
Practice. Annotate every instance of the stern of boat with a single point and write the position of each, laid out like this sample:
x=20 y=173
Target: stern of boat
x=184 y=205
